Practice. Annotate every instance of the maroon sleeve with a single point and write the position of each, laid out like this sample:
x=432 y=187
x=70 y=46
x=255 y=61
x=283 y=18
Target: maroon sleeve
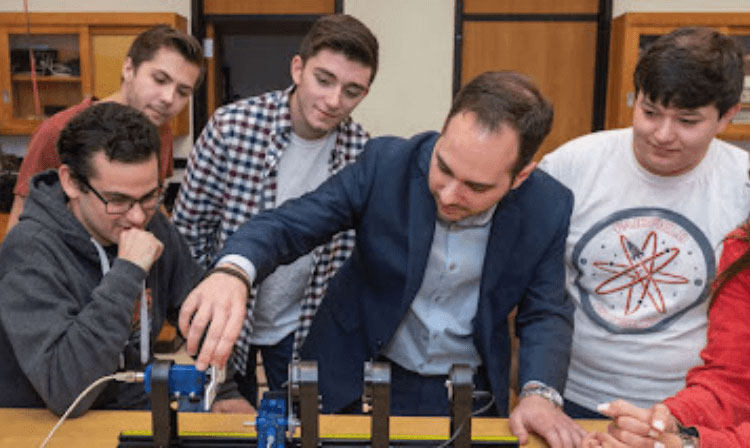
x=40 y=155
x=42 y=151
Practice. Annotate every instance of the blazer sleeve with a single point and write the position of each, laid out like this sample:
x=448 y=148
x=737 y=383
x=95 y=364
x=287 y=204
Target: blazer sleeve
x=281 y=235
x=544 y=322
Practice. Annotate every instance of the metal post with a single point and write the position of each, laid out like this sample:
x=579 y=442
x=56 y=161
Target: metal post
x=377 y=400
x=163 y=416
x=460 y=387
x=303 y=381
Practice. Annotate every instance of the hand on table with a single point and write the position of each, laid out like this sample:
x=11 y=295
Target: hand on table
x=535 y=414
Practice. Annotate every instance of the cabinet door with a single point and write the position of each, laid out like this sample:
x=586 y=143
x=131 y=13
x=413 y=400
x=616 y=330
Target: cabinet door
x=559 y=56
x=57 y=63
x=740 y=127
x=627 y=45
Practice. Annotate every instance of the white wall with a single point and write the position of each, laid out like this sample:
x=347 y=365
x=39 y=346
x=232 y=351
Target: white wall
x=17 y=144
x=620 y=7
x=412 y=91
x=181 y=7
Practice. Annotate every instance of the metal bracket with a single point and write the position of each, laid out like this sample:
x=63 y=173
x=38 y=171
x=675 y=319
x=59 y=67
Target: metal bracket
x=163 y=413
x=303 y=389
x=460 y=386
x=216 y=377
x=376 y=400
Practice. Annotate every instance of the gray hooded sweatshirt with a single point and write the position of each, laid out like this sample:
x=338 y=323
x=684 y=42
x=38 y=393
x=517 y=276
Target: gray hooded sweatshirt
x=63 y=324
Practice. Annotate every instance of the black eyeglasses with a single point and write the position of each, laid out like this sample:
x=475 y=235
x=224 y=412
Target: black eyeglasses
x=121 y=205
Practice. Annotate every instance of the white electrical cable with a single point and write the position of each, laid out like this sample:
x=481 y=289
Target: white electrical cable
x=128 y=377
x=145 y=326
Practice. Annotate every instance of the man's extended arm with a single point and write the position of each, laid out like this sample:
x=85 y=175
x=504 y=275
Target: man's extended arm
x=271 y=238
x=544 y=325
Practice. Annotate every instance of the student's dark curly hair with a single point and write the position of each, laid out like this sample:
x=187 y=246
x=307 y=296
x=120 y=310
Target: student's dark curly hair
x=690 y=68
x=123 y=133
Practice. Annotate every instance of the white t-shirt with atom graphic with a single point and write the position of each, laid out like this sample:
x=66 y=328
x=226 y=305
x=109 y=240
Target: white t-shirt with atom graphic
x=640 y=256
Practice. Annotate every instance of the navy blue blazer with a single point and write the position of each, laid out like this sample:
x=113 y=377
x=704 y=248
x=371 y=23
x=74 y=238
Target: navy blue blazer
x=385 y=197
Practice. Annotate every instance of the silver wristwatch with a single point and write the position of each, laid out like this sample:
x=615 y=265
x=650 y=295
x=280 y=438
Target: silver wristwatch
x=688 y=435
x=687 y=441
x=544 y=391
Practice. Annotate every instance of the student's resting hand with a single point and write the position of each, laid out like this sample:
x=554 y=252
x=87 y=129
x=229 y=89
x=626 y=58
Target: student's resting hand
x=637 y=427
x=625 y=439
x=139 y=247
x=535 y=414
x=219 y=300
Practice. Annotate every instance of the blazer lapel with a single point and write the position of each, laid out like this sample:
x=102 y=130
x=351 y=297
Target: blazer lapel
x=422 y=215
x=506 y=225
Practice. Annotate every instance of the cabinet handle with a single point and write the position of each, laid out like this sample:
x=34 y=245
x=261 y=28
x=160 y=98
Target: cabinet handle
x=630 y=99
x=6 y=96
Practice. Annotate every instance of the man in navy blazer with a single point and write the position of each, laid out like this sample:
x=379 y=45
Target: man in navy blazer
x=454 y=230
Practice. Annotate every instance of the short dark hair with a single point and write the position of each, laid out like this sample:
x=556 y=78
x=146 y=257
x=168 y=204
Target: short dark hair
x=509 y=98
x=145 y=46
x=692 y=67
x=123 y=133
x=342 y=33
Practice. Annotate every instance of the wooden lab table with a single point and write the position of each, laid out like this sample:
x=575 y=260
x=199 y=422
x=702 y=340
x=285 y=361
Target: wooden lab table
x=29 y=427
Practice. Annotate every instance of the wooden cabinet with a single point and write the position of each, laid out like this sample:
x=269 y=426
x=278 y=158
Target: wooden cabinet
x=554 y=42
x=75 y=56
x=633 y=31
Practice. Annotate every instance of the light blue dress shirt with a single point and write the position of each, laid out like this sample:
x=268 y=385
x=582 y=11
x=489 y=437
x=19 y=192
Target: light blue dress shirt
x=437 y=331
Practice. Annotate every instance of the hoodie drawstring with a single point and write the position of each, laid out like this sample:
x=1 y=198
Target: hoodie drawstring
x=145 y=325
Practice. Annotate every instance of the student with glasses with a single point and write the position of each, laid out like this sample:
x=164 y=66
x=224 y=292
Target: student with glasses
x=118 y=204
x=92 y=269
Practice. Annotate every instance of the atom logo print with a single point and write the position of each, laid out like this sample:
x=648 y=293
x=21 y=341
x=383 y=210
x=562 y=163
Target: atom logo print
x=640 y=269
x=641 y=274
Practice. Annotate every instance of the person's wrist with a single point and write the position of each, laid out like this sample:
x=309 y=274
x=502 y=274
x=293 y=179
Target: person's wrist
x=236 y=272
x=688 y=436
x=540 y=389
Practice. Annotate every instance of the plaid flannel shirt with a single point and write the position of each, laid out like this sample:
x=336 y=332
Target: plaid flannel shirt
x=232 y=175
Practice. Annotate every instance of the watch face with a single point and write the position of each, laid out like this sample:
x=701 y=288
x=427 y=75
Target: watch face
x=640 y=269
x=687 y=441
